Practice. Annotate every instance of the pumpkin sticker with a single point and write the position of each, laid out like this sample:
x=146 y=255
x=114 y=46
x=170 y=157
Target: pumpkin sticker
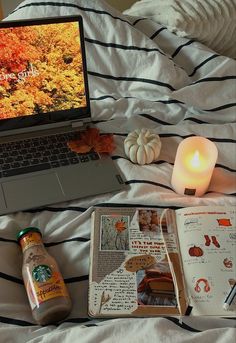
x=224 y=222
x=195 y=251
x=228 y=262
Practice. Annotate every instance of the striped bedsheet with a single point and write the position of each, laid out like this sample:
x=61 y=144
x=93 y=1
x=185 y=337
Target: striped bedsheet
x=140 y=75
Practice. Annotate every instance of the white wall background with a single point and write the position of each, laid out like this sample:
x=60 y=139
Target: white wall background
x=9 y=5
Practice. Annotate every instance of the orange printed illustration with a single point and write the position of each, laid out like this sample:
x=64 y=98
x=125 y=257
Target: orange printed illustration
x=211 y=240
x=228 y=263
x=195 y=251
x=224 y=222
x=202 y=285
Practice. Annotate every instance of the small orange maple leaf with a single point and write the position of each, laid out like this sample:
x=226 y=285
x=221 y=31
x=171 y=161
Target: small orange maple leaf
x=120 y=226
x=92 y=140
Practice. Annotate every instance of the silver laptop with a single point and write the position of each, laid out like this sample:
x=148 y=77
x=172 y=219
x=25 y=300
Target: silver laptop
x=44 y=103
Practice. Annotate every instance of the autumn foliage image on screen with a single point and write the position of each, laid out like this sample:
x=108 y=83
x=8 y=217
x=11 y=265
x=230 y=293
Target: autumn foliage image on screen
x=41 y=70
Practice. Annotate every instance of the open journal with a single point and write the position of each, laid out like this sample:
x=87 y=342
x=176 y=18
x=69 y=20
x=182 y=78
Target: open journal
x=147 y=262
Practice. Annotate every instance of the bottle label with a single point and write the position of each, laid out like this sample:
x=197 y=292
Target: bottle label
x=29 y=240
x=45 y=284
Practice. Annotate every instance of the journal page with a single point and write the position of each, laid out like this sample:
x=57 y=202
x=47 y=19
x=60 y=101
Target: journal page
x=207 y=238
x=131 y=273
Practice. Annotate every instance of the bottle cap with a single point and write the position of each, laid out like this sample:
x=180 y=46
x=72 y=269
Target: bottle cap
x=25 y=231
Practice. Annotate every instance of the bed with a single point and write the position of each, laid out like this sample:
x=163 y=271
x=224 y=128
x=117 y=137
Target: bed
x=142 y=74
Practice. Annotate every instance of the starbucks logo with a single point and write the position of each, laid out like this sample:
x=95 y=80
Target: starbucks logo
x=42 y=273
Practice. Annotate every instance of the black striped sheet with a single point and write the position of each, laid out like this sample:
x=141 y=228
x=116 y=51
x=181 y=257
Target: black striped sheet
x=17 y=322
x=203 y=63
x=215 y=79
x=138 y=20
x=155 y=34
x=178 y=49
x=162 y=122
x=74 y=279
x=87 y=9
x=8 y=240
x=159 y=162
x=122 y=46
x=135 y=205
x=58 y=209
x=196 y=120
x=152 y=183
x=131 y=79
x=168 y=135
x=70 y=5
x=160 y=185
x=213 y=139
x=73 y=208
x=220 y=108
x=23 y=323
x=182 y=325
x=160 y=83
x=90 y=322
x=127 y=47
x=225 y=167
x=75 y=320
x=154 y=119
x=51 y=244
x=74 y=239
x=168 y=102
x=175 y=53
x=11 y=278
x=108 y=96
x=151 y=117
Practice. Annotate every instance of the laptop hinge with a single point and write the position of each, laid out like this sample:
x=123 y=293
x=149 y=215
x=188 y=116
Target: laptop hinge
x=76 y=124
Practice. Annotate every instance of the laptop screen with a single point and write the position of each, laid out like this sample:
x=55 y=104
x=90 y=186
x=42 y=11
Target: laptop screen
x=42 y=72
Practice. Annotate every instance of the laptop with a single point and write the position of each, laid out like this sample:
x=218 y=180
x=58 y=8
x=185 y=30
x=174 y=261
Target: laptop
x=44 y=103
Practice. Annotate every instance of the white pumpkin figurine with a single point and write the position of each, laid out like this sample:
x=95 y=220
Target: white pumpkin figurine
x=142 y=146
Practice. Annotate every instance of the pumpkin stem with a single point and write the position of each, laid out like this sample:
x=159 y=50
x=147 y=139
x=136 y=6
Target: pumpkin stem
x=141 y=139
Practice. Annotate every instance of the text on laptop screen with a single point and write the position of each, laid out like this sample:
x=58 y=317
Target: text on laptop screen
x=41 y=70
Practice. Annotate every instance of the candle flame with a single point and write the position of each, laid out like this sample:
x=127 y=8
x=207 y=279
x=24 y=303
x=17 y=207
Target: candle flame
x=196 y=159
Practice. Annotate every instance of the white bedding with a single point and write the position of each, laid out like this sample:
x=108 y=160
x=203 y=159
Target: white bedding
x=140 y=75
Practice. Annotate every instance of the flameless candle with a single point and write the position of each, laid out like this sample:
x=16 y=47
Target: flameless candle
x=194 y=164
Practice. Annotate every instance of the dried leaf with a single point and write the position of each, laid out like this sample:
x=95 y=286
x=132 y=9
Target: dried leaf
x=91 y=140
x=120 y=226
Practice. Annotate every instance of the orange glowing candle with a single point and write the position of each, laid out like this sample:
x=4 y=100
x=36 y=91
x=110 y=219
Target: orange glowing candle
x=194 y=164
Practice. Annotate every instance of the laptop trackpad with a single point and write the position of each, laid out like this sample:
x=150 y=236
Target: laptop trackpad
x=32 y=191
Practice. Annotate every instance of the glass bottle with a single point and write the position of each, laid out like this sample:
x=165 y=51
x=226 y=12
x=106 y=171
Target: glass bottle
x=48 y=297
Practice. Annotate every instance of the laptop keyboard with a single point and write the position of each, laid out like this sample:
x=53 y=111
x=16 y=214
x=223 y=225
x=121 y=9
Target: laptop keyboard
x=40 y=153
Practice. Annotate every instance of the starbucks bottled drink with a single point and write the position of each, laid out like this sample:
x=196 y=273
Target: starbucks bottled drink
x=48 y=297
